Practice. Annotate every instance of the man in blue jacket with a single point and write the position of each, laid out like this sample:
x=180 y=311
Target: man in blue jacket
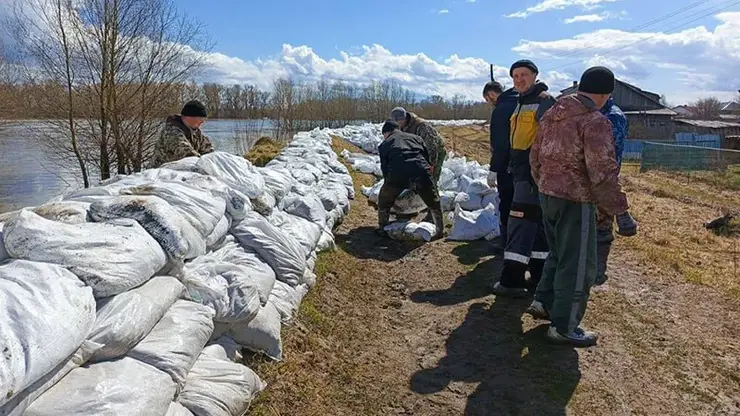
x=504 y=103
x=604 y=222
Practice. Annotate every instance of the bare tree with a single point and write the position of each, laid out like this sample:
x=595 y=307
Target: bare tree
x=707 y=108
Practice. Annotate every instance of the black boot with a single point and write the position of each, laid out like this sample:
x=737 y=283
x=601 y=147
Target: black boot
x=535 y=274
x=439 y=223
x=384 y=218
x=602 y=257
x=512 y=283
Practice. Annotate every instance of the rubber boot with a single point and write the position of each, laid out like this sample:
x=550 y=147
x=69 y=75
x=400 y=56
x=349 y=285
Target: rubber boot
x=602 y=257
x=384 y=218
x=512 y=274
x=439 y=223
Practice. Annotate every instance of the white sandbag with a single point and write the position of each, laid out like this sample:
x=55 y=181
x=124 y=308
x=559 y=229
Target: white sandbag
x=3 y=252
x=20 y=402
x=491 y=198
x=110 y=388
x=469 y=202
x=287 y=299
x=447 y=200
x=235 y=171
x=124 y=320
x=262 y=334
x=306 y=233
x=278 y=182
x=199 y=207
x=176 y=409
x=188 y=164
x=109 y=257
x=326 y=242
x=222 y=228
x=303 y=176
x=216 y=387
x=334 y=219
x=411 y=231
x=328 y=196
x=478 y=186
x=237 y=204
x=176 y=341
x=224 y=348
x=469 y=226
x=308 y=207
x=447 y=180
x=309 y=277
x=68 y=212
x=254 y=268
x=366 y=166
x=45 y=314
x=408 y=202
x=225 y=288
x=265 y=204
x=274 y=246
x=177 y=237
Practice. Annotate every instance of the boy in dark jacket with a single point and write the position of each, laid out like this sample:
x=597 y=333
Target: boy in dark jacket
x=404 y=160
x=504 y=103
x=574 y=164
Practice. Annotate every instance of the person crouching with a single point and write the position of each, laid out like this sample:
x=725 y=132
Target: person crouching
x=404 y=161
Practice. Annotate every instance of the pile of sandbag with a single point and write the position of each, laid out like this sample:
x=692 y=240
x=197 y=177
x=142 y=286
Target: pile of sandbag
x=462 y=184
x=136 y=296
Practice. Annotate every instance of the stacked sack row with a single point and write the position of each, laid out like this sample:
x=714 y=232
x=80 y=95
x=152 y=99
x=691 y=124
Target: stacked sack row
x=464 y=191
x=136 y=297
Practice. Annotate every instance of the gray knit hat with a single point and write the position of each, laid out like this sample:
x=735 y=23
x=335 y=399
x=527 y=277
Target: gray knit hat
x=398 y=113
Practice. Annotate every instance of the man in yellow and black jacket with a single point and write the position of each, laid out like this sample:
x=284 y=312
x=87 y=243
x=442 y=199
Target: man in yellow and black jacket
x=526 y=245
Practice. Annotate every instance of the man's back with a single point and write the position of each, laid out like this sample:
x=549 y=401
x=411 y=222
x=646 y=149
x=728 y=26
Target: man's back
x=403 y=155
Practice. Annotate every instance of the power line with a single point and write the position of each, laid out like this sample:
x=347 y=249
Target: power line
x=680 y=26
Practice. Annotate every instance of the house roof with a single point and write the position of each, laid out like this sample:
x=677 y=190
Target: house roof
x=730 y=106
x=711 y=124
x=659 y=112
x=647 y=94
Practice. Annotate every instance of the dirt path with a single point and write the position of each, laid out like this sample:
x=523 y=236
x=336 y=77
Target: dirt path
x=399 y=329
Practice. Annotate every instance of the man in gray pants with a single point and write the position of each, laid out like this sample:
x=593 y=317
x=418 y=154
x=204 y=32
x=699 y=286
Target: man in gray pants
x=574 y=164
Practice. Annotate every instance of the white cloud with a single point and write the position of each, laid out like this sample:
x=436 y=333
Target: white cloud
x=594 y=17
x=548 y=5
x=471 y=1
x=443 y=11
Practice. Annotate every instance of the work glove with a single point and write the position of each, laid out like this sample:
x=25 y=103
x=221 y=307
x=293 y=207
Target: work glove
x=492 y=179
x=626 y=225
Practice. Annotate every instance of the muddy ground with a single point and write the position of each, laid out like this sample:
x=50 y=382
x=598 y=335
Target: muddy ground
x=402 y=329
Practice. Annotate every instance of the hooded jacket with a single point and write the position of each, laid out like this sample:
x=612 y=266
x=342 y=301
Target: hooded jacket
x=179 y=141
x=403 y=157
x=524 y=126
x=620 y=126
x=501 y=130
x=573 y=157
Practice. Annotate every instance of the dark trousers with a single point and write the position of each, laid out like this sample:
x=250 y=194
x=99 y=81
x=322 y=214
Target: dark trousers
x=604 y=239
x=505 y=196
x=570 y=269
x=526 y=244
x=423 y=185
x=437 y=171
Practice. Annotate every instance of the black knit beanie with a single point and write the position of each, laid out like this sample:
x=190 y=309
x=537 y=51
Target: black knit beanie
x=524 y=63
x=194 y=109
x=597 y=80
x=389 y=126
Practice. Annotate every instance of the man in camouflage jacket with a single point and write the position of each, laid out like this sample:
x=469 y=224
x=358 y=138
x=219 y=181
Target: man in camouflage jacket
x=411 y=123
x=574 y=165
x=182 y=136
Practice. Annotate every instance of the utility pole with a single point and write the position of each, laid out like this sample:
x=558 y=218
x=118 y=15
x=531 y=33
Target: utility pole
x=492 y=72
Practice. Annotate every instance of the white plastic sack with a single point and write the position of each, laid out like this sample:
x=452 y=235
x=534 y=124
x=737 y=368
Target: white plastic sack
x=168 y=227
x=411 y=231
x=306 y=233
x=176 y=341
x=447 y=200
x=3 y=252
x=176 y=409
x=225 y=288
x=124 y=320
x=278 y=182
x=235 y=171
x=470 y=226
x=199 y=207
x=328 y=195
x=262 y=334
x=469 y=202
x=334 y=219
x=188 y=164
x=274 y=246
x=224 y=348
x=254 y=268
x=216 y=387
x=68 y=212
x=326 y=242
x=20 y=402
x=110 y=388
x=308 y=207
x=447 y=180
x=45 y=314
x=222 y=228
x=110 y=257
x=265 y=204
x=287 y=299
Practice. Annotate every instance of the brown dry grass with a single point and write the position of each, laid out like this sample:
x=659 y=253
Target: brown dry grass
x=264 y=150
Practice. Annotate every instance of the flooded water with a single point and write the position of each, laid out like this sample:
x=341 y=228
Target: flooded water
x=29 y=176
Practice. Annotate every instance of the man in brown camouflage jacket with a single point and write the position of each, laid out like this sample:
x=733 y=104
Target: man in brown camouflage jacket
x=574 y=164
x=182 y=136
